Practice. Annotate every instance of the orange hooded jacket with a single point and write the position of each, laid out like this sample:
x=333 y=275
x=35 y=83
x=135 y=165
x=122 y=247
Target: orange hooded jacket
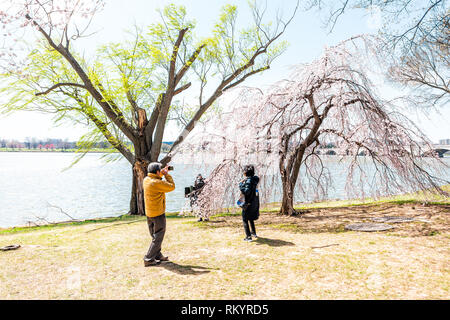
x=154 y=194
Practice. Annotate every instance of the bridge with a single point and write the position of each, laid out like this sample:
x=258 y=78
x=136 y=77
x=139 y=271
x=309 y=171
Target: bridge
x=441 y=149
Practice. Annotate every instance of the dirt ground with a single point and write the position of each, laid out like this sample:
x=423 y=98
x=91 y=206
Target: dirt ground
x=428 y=220
x=311 y=256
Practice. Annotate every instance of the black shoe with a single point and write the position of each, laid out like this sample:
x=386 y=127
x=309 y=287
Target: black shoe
x=254 y=235
x=200 y=220
x=150 y=263
x=248 y=239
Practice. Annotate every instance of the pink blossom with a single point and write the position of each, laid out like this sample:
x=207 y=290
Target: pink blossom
x=328 y=100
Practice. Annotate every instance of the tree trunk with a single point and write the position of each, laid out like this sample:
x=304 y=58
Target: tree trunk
x=137 y=206
x=133 y=200
x=287 y=202
x=289 y=175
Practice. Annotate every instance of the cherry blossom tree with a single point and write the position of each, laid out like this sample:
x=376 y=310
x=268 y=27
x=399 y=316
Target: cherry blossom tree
x=281 y=130
x=126 y=93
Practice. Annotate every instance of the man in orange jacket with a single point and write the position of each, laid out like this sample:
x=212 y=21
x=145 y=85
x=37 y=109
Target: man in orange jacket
x=155 y=207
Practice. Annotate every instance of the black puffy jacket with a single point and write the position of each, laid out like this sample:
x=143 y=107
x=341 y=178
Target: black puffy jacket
x=248 y=188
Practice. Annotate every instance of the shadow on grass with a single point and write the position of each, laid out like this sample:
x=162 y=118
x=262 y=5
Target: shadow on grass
x=274 y=242
x=184 y=269
x=215 y=221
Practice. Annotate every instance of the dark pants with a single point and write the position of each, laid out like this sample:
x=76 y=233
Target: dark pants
x=246 y=227
x=157 y=228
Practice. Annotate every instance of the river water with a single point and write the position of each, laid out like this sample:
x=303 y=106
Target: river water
x=34 y=187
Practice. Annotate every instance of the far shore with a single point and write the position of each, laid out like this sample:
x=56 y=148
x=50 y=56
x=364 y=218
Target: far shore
x=58 y=150
x=54 y=150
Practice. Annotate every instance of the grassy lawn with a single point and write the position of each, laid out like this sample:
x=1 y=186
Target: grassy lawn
x=310 y=256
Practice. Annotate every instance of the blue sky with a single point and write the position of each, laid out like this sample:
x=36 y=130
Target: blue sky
x=306 y=34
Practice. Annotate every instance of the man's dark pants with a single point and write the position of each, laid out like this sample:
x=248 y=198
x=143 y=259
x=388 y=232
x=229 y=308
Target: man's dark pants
x=157 y=228
x=248 y=233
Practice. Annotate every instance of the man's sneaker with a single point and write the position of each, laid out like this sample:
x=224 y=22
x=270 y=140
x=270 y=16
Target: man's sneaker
x=254 y=235
x=150 y=263
x=248 y=239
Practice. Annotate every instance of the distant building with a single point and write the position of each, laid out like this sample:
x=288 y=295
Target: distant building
x=444 y=141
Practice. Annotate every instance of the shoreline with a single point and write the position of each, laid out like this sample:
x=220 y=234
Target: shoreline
x=272 y=208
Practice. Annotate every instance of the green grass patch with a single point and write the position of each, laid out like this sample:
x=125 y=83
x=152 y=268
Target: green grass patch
x=68 y=224
x=229 y=214
x=125 y=218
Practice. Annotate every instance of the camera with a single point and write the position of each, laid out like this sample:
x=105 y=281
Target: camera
x=188 y=191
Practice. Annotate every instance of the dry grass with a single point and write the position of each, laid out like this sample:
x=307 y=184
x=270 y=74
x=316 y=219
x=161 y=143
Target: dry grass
x=306 y=257
x=429 y=219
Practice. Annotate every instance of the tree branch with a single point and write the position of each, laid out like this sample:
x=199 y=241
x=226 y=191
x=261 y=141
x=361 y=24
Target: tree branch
x=172 y=77
x=60 y=85
x=110 y=112
x=245 y=77
x=102 y=126
x=181 y=89
x=188 y=64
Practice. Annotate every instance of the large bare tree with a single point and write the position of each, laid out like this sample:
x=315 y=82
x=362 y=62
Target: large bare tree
x=416 y=45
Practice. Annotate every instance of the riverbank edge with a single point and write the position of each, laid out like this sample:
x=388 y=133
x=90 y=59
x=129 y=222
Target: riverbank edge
x=270 y=208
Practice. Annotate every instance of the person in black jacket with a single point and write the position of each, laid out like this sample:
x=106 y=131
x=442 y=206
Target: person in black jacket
x=199 y=182
x=198 y=185
x=250 y=208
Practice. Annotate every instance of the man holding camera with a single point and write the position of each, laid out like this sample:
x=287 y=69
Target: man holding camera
x=155 y=207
